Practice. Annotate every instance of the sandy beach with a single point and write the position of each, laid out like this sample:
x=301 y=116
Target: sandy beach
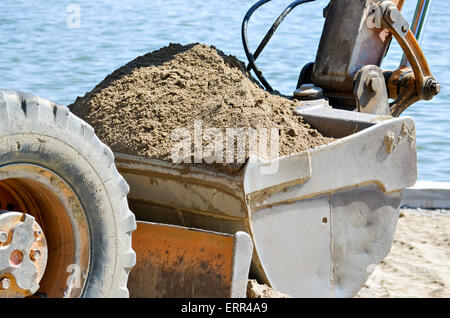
x=418 y=264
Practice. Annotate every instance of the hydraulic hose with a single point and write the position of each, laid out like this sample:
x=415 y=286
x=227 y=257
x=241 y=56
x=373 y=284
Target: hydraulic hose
x=252 y=57
x=419 y=22
x=275 y=26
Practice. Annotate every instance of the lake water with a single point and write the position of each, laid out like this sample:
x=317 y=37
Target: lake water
x=62 y=49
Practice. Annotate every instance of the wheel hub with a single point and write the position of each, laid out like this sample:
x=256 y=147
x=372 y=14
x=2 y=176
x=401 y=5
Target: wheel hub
x=23 y=254
x=42 y=194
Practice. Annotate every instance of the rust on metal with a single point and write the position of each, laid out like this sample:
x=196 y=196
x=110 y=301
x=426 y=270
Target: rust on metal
x=350 y=39
x=406 y=87
x=23 y=255
x=37 y=191
x=415 y=57
x=179 y=262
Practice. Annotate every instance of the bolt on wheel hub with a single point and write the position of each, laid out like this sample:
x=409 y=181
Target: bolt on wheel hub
x=23 y=254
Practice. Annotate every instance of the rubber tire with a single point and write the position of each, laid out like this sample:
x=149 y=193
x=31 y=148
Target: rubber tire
x=69 y=147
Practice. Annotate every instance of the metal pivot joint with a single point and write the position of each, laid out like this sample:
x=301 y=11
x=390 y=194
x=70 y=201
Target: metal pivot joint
x=355 y=39
x=421 y=84
x=370 y=91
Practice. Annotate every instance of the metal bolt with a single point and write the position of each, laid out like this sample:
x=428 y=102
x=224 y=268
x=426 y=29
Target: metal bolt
x=3 y=237
x=308 y=92
x=437 y=88
x=393 y=14
x=404 y=28
x=37 y=234
x=35 y=254
x=432 y=88
x=374 y=84
x=5 y=283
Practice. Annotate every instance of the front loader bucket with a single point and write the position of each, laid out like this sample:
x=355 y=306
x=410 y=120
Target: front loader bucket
x=320 y=221
x=177 y=262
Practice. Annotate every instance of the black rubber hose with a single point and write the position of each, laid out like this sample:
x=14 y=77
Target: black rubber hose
x=252 y=57
x=275 y=26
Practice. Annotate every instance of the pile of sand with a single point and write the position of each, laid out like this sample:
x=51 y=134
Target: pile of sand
x=136 y=109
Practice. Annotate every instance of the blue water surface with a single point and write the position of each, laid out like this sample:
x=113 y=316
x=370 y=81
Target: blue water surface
x=61 y=49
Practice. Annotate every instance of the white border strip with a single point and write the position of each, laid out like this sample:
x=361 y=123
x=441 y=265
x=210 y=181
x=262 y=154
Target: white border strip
x=427 y=195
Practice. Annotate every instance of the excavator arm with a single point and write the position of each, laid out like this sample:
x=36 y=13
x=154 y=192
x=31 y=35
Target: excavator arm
x=356 y=37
